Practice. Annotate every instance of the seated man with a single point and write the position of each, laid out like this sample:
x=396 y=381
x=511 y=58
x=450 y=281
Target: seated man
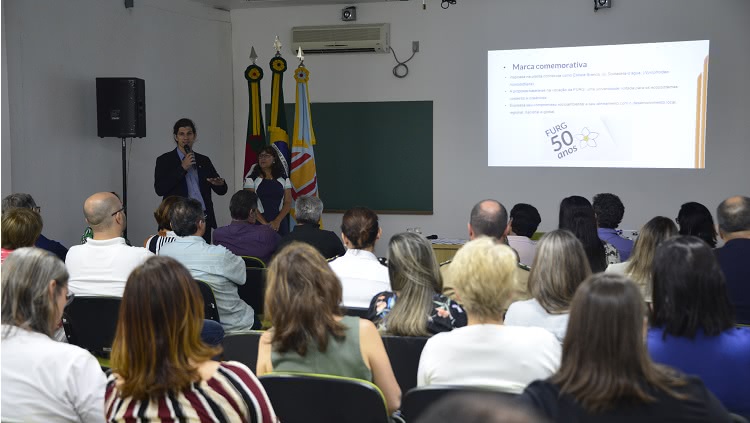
x=243 y=237
x=101 y=266
x=733 y=215
x=524 y=219
x=21 y=200
x=609 y=211
x=212 y=264
x=307 y=229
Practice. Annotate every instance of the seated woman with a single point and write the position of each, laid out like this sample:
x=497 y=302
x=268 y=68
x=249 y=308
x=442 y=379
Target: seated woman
x=486 y=353
x=421 y=309
x=693 y=324
x=361 y=274
x=560 y=265
x=21 y=227
x=309 y=333
x=43 y=380
x=695 y=219
x=577 y=216
x=164 y=233
x=639 y=268
x=162 y=371
x=606 y=374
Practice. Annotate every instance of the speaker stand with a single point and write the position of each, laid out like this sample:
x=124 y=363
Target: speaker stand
x=124 y=186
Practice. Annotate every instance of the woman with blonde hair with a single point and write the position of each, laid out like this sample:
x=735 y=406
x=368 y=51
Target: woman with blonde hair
x=421 y=309
x=162 y=371
x=43 y=380
x=560 y=265
x=310 y=334
x=606 y=374
x=640 y=266
x=487 y=353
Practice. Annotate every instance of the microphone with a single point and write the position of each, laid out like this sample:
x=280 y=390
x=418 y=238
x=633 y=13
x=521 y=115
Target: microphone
x=188 y=151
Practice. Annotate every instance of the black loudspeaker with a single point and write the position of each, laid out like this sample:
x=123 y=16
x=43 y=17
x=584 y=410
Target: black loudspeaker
x=120 y=107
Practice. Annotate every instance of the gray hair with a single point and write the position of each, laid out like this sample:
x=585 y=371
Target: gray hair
x=18 y=200
x=309 y=209
x=26 y=302
x=185 y=215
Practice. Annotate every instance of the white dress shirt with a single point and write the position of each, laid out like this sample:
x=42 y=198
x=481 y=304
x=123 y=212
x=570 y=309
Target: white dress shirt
x=524 y=246
x=101 y=267
x=362 y=276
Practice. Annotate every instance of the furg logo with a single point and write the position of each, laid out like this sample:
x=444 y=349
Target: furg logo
x=563 y=140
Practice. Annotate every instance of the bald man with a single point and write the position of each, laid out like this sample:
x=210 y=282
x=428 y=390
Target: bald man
x=101 y=266
x=733 y=215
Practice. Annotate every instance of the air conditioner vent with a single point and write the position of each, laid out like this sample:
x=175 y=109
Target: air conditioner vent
x=342 y=38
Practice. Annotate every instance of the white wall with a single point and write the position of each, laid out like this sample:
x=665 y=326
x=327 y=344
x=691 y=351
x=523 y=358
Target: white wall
x=450 y=69
x=56 y=49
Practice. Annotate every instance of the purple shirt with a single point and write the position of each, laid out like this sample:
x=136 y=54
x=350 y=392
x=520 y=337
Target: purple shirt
x=612 y=236
x=247 y=239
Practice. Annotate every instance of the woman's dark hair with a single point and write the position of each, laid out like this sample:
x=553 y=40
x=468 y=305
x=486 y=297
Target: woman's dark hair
x=182 y=123
x=604 y=359
x=695 y=219
x=524 y=219
x=609 y=210
x=302 y=300
x=689 y=289
x=161 y=214
x=360 y=225
x=577 y=216
x=277 y=169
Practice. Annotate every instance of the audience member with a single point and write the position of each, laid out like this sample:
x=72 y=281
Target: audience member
x=243 y=236
x=639 y=268
x=212 y=264
x=487 y=353
x=693 y=326
x=101 y=266
x=577 y=216
x=308 y=332
x=43 y=380
x=25 y=201
x=695 y=219
x=559 y=267
x=20 y=228
x=361 y=274
x=524 y=220
x=308 y=212
x=164 y=232
x=162 y=371
x=416 y=307
x=609 y=211
x=606 y=374
x=733 y=215
x=476 y=407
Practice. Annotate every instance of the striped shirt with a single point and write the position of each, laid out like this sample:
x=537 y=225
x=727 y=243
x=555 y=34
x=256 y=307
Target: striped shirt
x=233 y=394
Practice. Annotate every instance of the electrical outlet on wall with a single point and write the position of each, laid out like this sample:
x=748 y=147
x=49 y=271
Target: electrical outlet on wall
x=415 y=46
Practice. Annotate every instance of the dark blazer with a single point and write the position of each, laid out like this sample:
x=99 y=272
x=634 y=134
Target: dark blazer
x=733 y=261
x=324 y=241
x=169 y=179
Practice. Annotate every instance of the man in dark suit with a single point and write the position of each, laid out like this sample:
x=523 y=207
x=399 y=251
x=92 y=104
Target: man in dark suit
x=733 y=215
x=308 y=211
x=184 y=173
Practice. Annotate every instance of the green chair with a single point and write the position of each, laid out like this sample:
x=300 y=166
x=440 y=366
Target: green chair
x=253 y=292
x=418 y=400
x=242 y=347
x=210 y=309
x=90 y=323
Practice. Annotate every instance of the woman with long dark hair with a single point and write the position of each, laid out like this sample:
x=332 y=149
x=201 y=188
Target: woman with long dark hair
x=695 y=219
x=577 y=216
x=270 y=181
x=606 y=374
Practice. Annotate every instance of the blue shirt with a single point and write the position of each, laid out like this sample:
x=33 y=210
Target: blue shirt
x=723 y=362
x=612 y=236
x=191 y=178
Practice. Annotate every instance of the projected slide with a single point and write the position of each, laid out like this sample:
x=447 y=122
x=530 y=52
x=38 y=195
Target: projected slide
x=631 y=105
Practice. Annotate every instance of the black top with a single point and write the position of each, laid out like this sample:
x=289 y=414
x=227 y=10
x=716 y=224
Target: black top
x=701 y=406
x=324 y=241
x=733 y=261
x=169 y=179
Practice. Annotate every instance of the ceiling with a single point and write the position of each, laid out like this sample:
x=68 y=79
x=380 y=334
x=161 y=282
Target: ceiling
x=247 y=4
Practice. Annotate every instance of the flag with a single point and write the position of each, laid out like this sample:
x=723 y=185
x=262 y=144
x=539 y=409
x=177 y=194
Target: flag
x=304 y=176
x=256 y=136
x=278 y=135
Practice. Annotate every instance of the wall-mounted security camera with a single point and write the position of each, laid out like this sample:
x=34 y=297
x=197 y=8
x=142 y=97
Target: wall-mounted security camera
x=602 y=4
x=349 y=14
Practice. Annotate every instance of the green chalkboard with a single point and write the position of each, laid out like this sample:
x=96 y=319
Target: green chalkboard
x=373 y=154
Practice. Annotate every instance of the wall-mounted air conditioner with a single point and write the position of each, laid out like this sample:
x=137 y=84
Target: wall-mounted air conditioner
x=356 y=38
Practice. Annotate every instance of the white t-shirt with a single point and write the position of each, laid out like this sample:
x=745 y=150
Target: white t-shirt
x=49 y=381
x=531 y=313
x=100 y=268
x=362 y=276
x=495 y=356
x=524 y=246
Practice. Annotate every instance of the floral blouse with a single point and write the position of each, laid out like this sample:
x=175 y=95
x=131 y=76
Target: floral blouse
x=445 y=315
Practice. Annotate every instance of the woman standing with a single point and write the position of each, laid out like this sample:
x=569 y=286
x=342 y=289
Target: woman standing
x=162 y=371
x=269 y=181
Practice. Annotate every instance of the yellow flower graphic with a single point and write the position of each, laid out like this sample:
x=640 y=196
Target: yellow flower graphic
x=587 y=138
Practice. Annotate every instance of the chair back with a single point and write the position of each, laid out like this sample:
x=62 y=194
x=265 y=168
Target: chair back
x=242 y=347
x=303 y=397
x=210 y=309
x=418 y=400
x=404 y=353
x=356 y=312
x=253 y=292
x=91 y=322
x=253 y=262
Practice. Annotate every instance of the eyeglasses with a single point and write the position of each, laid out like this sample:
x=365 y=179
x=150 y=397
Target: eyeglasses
x=265 y=156
x=118 y=211
x=69 y=298
x=37 y=209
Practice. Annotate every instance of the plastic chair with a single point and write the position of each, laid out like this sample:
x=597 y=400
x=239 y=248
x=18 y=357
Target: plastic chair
x=253 y=292
x=90 y=323
x=242 y=347
x=210 y=309
x=417 y=400
x=305 y=397
x=355 y=311
x=404 y=353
